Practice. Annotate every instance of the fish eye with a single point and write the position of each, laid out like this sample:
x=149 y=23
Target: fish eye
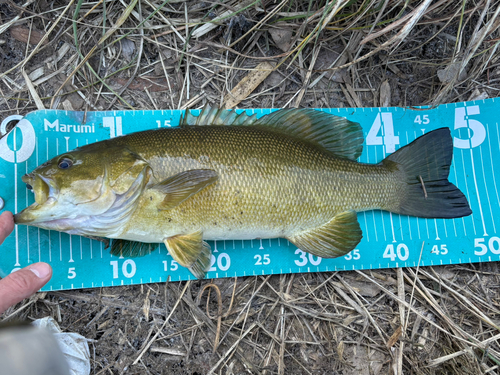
x=29 y=187
x=65 y=163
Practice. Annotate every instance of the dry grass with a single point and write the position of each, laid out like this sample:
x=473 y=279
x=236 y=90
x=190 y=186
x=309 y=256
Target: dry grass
x=151 y=54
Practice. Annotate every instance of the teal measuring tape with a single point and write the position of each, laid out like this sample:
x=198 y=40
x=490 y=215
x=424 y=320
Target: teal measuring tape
x=390 y=240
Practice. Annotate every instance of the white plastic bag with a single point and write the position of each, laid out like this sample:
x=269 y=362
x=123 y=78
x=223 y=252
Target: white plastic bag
x=74 y=346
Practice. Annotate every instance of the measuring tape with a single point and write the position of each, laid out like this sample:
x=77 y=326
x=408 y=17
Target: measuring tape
x=389 y=240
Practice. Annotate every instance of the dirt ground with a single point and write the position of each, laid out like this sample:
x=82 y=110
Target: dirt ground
x=184 y=54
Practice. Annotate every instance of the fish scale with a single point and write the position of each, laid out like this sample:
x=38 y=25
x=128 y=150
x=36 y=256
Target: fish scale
x=390 y=240
x=285 y=193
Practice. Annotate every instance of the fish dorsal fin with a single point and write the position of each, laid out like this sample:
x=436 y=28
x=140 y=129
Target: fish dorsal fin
x=189 y=250
x=131 y=249
x=215 y=116
x=183 y=185
x=336 y=134
x=333 y=239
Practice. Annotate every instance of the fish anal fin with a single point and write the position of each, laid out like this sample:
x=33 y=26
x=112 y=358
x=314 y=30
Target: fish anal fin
x=183 y=185
x=333 y=239
x=131 y=249
x=190 y=251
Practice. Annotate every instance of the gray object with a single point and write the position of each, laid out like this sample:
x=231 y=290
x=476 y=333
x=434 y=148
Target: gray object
x=26 y=350
x=73 y=346
x=42 y=349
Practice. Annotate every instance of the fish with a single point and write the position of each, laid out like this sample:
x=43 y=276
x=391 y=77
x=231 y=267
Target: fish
x=223 y=175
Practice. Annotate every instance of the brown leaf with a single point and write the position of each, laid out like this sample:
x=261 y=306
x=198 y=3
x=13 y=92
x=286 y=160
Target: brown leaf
x=452 y=72
x=274 y=79
x=152 y=84
x=340 y=350
x=282 y=36
x=325 y=59
x=365 y=289
x=128 y=48
x=22 y=34
x=395 y=337
x=249 y=83
x=385 y=94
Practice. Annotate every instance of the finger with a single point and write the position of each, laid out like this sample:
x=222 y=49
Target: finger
x=22 y=284
x=6 y=225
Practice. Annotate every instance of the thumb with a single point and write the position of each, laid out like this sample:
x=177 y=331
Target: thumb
x=23 y=283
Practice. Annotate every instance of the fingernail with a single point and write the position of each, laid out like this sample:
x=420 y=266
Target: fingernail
x=41 y=270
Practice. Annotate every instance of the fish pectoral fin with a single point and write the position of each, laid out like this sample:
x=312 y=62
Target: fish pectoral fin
x=184 y=185
x=131 y=249
x=333 y=239
x=190 y=251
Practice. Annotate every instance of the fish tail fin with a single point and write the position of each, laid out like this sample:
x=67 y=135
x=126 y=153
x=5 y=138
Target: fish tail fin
x=425 y=166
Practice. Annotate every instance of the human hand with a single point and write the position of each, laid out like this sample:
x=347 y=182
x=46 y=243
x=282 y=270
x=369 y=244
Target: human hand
x=25 y=282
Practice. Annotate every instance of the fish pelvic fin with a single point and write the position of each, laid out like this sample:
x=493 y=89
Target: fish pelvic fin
x=333 y=239
x=424 y=165
x=336 y=134
x=183 y=185
x=190 y=251
x=131 y=249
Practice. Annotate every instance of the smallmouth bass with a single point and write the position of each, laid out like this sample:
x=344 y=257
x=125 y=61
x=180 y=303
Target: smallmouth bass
x=222 y=175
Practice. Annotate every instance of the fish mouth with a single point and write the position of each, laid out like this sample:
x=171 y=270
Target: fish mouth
x=43 y=188
x=45 y=192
